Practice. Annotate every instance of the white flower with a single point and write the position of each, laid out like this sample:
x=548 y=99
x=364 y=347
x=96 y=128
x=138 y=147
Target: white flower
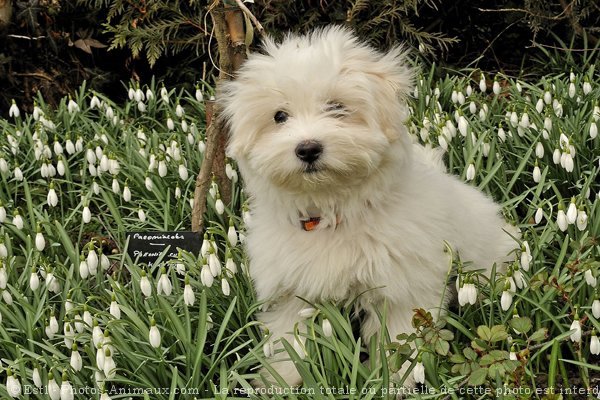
x=307 y=312
x=327 y=328
x=52 y=197
x=164 y=94
x=162 y=168
x=115 y=310
x=593 y=130
x=547 y=97
x=141 y=215
x=84 y=270
x=225 y=287
x=3 y=250
x=138 y=95
x=587 y=87
x=95 y=102
x=189 y=298
x=105 y=396
x=170 y=124
x=214 y=263
x=472 y=107
x=154 y=335
x=219 y=206
x=506 y=300
x=268 y=349
x=164 y=284
x=590 y=279
x=183 y=172
x=53 y=388
x=572 y=90
x=537 y=174
x=206 y=276
x=539 y=106
x=13 y=386
x=13 y=111
x=561 y=220
x=594 y=345
x=97 y=336
x=109 y=364
x=53 y=324
x=179 y=111
x=572 y=212
x=72 y=107
x=126 y=193
x=232 y=235
x=86 y=215
x=576 y=328
x=230 y=265
x=556 y=156
x=40 y=242
x=470 y=172
x=34 y=280
x=596 y=309
x=512 y=355
x=116 y=188
x=3 y=277
x=463 y=125
x=76 y=362
x=525 y=256
x=2 y=213
x=92 y=261
x=582 y=220
x=37 y=379
x=148 y=183
x=299 y=348
x=177 y=192
x=539 y=150
x=496 y=87
x=145 y=285
x=419 y=372
x=482 y=84
x=149 y=94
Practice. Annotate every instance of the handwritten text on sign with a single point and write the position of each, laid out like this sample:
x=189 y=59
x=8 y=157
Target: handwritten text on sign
x=146 y=247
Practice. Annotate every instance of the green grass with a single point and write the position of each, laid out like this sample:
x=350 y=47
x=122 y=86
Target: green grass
x=213 y=348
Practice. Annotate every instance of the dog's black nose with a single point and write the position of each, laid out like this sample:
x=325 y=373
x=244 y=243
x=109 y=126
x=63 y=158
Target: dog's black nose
x=309 y=150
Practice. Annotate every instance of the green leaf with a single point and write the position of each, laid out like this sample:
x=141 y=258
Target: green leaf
x=442 y=347
x=470 y=353
x=446 y=334
x=498 y=333
x=521 y=324
x=539 y=335
x=478 y=376
x=484 y=333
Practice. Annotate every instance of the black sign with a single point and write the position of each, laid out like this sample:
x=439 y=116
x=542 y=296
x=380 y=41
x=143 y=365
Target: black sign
x=146 y=247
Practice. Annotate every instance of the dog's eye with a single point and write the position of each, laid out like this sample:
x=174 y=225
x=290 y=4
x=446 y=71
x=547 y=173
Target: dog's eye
x=280 y=117
x=336 y=108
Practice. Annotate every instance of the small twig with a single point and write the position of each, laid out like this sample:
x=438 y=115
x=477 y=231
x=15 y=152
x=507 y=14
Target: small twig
x=249 y=14
x=521 y=10
x=26 y=37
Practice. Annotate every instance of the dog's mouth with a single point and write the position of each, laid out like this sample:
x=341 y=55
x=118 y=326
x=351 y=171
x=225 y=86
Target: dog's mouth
x=311 y=169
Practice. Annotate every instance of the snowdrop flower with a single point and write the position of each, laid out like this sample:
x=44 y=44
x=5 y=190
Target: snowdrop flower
x=141 y=215
x=60 y=166
x=164 y=286
x=52 y=284
x=2 y=213
x=299 y=348
x=37 y=379
x=3 y=276
x=84 y=270
x=547 y=97
x=327 y=328
x=126 y=193
x=53 y=388
x=34 y=280
x=587 y=87
x=225 y=288
x=95 y=102
x=561 y=218
x=572 y=212
x=141 y=107
x=537 y=174
x=539 y=150
x=188 y=293
x=232 y=234
x=219 y=206
x=92 y=260
x=13 y=111
x=230 y=264
x=539 y=106
x=7 y=297
x=558 y=108
x=97 y=335
x=582 y=219
x=149 y=94
x=170 y=124
x=463 y=125
x=154 y=335
x=115 y=310
x=52 y=197
x=594 y=344
x=268 y=349
x=472 y=107
x=470 y=172
x=179 y=111
x=145 y=285
x=109 y=364
x=512 y=355
x=68 y=334
x=72 y=106
x=3 y=249
x=183 y=172
x=164 y=94
x=199 y=96
x=148 y=183
x=556 y=156
x=213 y=262
x=40 y=242
x=593 y=130
x=177 y=192
x=100 y=357
x=526 y=256
x=506 y=300
x=87 y=316
x=76 y=362
x=86 y=214
x=496 y=87
x=590 y=279
x=110 y=113
x=116 y=188
x=576 y=328
x=596 y=308
x=482 y=84
x=419 y=371
x=13 y=386
x=162 y=168
x=206 y=277
x=467 y=294
x=180 y=268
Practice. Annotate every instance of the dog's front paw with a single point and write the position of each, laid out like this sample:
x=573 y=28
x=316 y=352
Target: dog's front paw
x=285 y=369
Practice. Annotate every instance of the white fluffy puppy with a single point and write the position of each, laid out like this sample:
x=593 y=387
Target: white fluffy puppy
x=341 y=200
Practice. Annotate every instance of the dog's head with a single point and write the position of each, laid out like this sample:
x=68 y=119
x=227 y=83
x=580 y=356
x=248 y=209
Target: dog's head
x=316 y=111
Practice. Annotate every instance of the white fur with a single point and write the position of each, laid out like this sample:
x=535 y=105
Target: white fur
x=394 y=201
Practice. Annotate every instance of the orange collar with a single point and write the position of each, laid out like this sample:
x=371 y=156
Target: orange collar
x=312 y=223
